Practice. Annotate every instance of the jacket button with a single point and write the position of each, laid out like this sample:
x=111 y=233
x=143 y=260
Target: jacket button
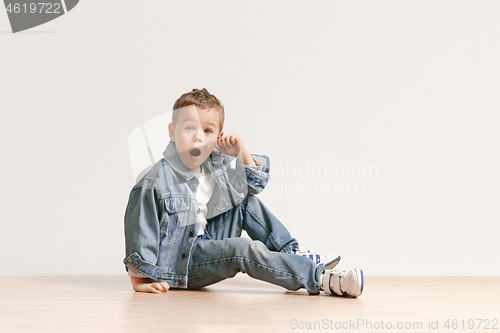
x=181 y=283
x=184 y=256
x=191 y=234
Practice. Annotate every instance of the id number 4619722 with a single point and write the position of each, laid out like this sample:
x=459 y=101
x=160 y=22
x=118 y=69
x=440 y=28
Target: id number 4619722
x=471 y=324
x=34 y=7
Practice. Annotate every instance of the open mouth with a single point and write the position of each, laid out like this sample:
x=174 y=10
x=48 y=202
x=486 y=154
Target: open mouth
x=195 y=152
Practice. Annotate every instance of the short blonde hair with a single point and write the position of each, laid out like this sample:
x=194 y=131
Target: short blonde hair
x=201 y=98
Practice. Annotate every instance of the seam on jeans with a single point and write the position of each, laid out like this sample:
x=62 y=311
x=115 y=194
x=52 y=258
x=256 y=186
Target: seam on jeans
x=202 y=277
x=254 y=263
x=257 y=218
x=262 y=224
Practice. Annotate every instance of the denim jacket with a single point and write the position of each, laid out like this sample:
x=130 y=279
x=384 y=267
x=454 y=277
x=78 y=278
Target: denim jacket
x=161 y=220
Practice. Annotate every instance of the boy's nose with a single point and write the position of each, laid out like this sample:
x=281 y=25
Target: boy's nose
x=198 y=136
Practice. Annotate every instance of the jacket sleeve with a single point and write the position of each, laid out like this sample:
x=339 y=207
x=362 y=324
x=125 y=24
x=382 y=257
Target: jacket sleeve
x=142 y=230
x=256 y=178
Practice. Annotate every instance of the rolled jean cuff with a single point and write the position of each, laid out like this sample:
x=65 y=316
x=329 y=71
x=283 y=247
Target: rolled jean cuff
x=290 y=249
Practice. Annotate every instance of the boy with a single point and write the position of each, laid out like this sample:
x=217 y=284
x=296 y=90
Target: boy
x=184 y=217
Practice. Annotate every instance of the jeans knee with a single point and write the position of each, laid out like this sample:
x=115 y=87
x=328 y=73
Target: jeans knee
x=245 y=247
x=254 y=203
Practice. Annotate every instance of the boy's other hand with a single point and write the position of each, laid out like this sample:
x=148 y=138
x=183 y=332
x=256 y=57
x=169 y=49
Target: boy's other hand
x=233 y=145
x=146 y=286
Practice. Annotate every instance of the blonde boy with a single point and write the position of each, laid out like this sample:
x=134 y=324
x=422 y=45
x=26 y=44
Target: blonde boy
x=184 y=217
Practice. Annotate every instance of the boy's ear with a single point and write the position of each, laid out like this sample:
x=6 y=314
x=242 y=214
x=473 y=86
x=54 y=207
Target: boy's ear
x=220 y=135
x=171 y=131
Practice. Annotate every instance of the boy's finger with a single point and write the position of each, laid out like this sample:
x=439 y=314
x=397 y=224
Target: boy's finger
x=154 y=290
x=159 y=286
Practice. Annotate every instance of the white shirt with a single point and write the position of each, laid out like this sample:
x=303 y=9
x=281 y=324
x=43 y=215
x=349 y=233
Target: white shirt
x=204 y=192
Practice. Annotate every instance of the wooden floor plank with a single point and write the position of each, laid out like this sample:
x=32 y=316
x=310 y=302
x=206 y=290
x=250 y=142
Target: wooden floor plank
x=108 y=304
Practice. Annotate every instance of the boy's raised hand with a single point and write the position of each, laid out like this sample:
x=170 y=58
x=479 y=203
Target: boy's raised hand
x=230 y=145
x=143 y=285
x=233 y=145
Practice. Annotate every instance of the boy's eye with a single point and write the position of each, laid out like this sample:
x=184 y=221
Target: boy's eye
x=189 y=128
x=208 y=130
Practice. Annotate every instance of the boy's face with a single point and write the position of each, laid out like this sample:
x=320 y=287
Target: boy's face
x=195 y=134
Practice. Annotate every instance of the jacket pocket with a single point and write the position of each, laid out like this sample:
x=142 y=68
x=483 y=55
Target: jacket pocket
x=176 y=212
x=175 y=205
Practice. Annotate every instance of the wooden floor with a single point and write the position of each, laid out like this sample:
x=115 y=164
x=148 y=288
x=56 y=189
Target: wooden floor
x=108 y=304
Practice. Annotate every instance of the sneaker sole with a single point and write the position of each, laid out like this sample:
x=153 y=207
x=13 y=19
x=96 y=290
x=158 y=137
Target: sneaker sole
x=360 y=281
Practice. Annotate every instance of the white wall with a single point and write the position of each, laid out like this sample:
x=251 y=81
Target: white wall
x=408 y=90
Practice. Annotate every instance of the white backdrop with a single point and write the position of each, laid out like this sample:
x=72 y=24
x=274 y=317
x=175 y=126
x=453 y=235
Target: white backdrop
x=380 y=118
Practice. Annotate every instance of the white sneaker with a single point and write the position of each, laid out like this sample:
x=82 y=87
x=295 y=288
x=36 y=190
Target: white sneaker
x=330 y=260
x=343 y=283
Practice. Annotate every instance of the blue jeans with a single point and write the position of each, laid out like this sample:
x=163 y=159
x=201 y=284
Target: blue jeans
x=220 y=253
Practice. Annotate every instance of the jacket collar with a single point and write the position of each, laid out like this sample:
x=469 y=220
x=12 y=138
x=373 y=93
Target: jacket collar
x=214 y=161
